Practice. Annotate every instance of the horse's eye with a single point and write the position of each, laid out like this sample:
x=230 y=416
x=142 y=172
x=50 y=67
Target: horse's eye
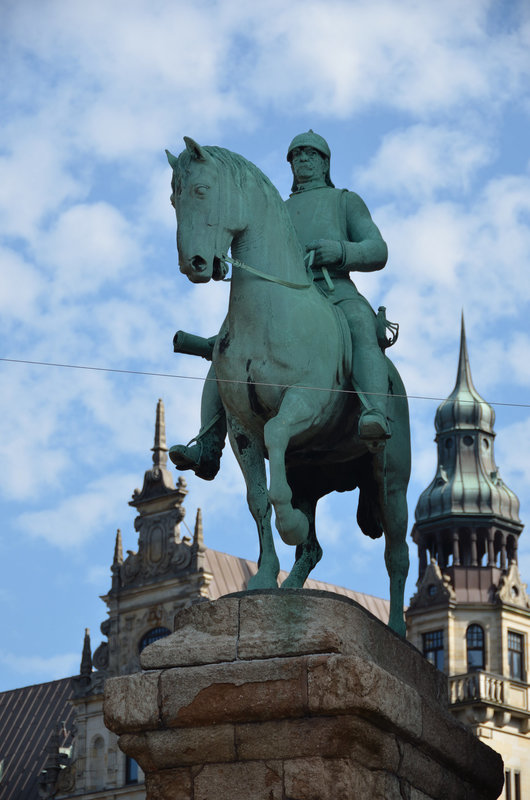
x=201 y=190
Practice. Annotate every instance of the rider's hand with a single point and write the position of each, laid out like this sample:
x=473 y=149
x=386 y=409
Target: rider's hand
x=328 y=253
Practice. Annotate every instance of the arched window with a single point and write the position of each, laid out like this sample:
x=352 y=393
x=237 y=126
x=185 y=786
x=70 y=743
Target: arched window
x=476 y=654
x=97 y=765
x=152 y=636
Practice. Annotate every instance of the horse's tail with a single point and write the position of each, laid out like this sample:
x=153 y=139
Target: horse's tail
x=395 y=467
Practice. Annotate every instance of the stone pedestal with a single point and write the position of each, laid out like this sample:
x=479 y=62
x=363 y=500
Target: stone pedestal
x=294 y=695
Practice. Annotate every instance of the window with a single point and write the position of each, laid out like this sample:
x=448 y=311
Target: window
x=516 y=655
x=512 y=789
x=131 y=770
x=152 y=636
x=433 y=648
x=517 y=785
x=97 y=765
x=475 y=648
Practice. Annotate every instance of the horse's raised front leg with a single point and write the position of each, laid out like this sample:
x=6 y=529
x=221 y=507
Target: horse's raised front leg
x=395 y=520
x=309 y=553
x=297 y=413
x=251 y=460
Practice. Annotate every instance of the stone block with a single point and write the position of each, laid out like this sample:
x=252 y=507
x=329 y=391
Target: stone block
x=344 y=684
x=337 y=779
x=287 y=623
x=178 y=747
x=241 y=781
x=131 y=702
x=445 y=737
x=329 y=737
x=205 y=633
x=171 y=784
x=234 y=692
x=302 y=621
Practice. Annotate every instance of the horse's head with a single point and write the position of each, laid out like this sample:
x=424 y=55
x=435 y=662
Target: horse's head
x=201 y=202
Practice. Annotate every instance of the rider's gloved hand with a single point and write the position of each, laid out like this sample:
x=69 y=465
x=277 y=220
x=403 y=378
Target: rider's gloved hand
x=327 y=252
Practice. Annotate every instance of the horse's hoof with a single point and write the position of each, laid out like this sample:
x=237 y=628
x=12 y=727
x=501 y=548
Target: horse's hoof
x=258 y=581
x=296 y=531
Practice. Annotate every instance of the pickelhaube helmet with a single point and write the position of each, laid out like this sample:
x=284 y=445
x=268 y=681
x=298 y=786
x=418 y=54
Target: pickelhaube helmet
x=309 y=139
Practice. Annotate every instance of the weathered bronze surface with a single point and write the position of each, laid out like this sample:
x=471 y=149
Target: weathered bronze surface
x=302 y=379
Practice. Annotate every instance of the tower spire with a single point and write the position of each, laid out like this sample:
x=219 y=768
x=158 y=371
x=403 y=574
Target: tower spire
x=463 y=374
x=198 y=534
x=467 y=518
x=86 y=658
x=118 y=550
x=160 y=448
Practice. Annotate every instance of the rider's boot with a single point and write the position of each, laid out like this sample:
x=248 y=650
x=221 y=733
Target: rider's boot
x=371 y=372
x=203 y=454
x=374 y=429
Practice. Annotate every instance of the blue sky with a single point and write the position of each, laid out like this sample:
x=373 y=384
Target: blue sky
x=426 y=109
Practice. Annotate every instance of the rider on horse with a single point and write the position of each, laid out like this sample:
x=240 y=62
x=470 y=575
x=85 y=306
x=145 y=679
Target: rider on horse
x=335 y=227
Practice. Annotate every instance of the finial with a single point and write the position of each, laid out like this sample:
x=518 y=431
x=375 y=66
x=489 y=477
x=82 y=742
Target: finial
x=86 y=658
x=463 y=377
x=160 y=448
x=118 y=550
x=198 y=535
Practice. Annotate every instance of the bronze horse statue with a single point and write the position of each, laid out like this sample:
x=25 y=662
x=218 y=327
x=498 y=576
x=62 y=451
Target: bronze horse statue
x=283 y=359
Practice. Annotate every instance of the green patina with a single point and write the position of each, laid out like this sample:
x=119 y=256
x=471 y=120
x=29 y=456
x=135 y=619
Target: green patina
x=277 y=340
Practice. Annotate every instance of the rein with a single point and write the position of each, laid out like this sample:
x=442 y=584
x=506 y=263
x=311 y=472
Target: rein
x=236 y=263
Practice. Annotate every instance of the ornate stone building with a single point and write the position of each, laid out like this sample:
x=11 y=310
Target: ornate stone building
x=471 y=613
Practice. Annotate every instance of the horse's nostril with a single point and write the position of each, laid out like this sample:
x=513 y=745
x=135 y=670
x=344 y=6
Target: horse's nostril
x=198 y=263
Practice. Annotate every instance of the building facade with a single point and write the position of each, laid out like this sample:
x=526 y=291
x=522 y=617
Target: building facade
x=471 y=613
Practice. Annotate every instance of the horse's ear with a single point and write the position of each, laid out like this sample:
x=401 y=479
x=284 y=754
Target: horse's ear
x=172 y=160
x=194 y=149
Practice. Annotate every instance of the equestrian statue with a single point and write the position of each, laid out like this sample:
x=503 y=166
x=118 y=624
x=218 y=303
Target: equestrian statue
x=299 y=374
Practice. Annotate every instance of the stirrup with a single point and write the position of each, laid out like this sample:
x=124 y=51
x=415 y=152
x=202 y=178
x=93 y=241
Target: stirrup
x=205 y=467
x=373 y=426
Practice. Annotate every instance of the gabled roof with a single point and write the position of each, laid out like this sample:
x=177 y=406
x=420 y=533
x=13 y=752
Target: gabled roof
x=28 y=720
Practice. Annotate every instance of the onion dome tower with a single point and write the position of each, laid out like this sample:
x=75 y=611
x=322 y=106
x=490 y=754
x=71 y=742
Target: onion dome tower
x=467 y=519
x=470 y=615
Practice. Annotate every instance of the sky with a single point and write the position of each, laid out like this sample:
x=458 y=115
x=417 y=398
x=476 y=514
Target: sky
x=426 y=109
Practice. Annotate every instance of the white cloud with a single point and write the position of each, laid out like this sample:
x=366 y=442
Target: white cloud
x=416 y=162
x=42 y=668
x=89 y=245
x=79 y=517
x=415 y=57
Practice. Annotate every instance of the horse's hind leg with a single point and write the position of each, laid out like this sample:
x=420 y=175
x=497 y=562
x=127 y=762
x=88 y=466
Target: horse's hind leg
x=309 y=553
x=250 y=457
x=296 y=414
x=396 y=555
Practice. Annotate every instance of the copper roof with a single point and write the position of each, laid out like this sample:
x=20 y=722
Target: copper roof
x=231 y=574
x=467 y=480
x=28 y=720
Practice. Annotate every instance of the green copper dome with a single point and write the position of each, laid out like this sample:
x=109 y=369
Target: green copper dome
x=467 y=480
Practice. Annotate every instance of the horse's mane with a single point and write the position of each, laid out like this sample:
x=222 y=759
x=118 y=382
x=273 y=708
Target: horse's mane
x=241 y=169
